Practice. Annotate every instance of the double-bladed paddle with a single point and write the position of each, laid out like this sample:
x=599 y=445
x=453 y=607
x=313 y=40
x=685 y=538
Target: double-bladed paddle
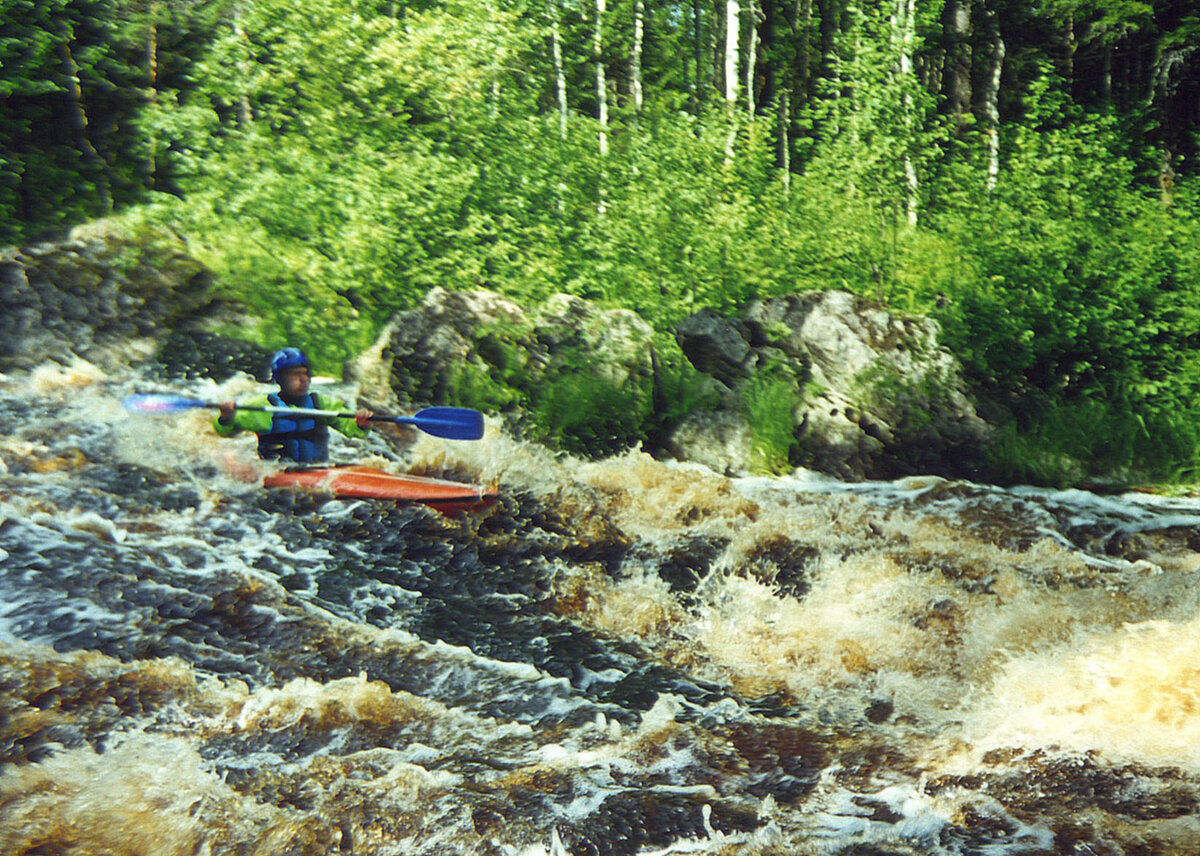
x=453 y=423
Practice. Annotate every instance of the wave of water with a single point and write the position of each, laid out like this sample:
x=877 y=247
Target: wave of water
x=621 y=657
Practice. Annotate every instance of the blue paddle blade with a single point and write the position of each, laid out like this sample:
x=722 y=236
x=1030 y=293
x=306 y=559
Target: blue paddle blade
x=453 y=423
x=151 y=403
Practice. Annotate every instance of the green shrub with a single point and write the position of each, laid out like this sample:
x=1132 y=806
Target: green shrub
x=474 y=385
x=681 y=390
x=770 y=403
x=590 y=415
x=1091 y=439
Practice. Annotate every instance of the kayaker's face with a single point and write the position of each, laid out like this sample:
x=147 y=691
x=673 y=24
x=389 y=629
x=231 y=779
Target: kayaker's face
x=293 y=383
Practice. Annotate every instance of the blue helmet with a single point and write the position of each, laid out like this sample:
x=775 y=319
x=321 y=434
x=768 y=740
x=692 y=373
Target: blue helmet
x=288 y=358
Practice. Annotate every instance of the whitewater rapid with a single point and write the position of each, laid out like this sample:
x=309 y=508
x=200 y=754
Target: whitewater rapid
x=624 y=656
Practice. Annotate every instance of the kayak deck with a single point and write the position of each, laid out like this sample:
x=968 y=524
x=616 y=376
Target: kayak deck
x=355 y=482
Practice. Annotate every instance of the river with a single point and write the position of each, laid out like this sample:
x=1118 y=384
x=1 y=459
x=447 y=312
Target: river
x=621 y=657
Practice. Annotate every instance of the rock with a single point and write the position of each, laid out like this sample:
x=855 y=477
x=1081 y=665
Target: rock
x=428 y=352
x=716 y=345
x=880 y=396
x=371 y=371
x=190 y=352
x=720 y=440
x=616 y=342
x=423 y=348
x=93 y=295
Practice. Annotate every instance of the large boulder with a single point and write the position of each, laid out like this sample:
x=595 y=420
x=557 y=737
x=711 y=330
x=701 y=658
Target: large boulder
x=423 y=351
x=432 y=353
x=877 y=396
x=97 y=295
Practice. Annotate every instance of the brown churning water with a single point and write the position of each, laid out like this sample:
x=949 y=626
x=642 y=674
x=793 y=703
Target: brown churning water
x=625 y=656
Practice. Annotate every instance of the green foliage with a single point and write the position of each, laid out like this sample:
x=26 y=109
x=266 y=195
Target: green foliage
x=909 y=400
x=681 y=390
x=498 y=381
x=1078 y=281
x=590 y=414
x=770 y=401
x=574 y=407
x=1094 y=440
x=474 y=385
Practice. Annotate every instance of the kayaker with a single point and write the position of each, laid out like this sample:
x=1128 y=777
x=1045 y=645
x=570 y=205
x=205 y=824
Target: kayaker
x=302 y=439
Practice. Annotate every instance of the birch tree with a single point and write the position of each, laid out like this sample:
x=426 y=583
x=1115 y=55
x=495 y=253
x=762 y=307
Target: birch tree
x=991 y=94
x=732 y=38
x=601 y=97
x=560 y=77
x=903 y=31
x=635 y=58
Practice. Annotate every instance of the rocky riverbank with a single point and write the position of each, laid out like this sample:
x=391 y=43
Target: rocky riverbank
x=850 y=389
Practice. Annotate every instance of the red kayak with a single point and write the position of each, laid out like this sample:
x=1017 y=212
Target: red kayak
x=449 y=497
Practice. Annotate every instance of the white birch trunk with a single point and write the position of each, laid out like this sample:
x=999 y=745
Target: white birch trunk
x=732 y=36
x=991 y=101
x=601 y=80
x=635 y=60
x=560 y=76
x=905 y=27
x=560 y=88
x=601 y=98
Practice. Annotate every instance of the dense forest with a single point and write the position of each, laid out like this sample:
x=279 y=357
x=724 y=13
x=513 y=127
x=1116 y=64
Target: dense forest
x=1024 y=171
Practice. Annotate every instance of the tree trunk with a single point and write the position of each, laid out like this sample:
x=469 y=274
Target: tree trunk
x=151 y=167
x=732 y=38
x=905 y=32
x=956 y=71
x=601 y=98
x=79 y=123
x=635 y=60
x=1069 y=48
x=769 y=40
x=698 y=48
x=775 y=80
x=829 y=15
x=560 y=77
x=751 y=56
x=991 y=95
x=1106 y=77
x=801 y=19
